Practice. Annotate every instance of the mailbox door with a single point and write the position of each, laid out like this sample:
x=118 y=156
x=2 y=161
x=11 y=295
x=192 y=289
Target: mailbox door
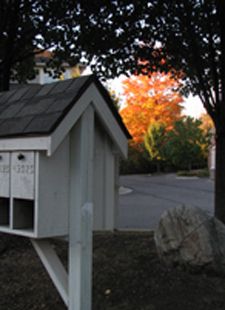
x=4 y=174
x=22 y=165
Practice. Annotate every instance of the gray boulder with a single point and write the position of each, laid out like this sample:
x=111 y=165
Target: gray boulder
x=187 y=237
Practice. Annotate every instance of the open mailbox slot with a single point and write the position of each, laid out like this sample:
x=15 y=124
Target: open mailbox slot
x=17 y=201
x=22 y=189
x=4 y=212
x=4 y=190
x=23 y=214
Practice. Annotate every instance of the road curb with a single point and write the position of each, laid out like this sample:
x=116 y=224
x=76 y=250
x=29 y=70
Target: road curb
x=124 y=190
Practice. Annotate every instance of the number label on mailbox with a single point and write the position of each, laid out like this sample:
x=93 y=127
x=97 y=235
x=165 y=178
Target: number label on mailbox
x=4 y=174
x=23 y=175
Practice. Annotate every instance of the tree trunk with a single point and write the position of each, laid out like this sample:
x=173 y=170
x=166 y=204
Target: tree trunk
x=1 y=82
x=158 y=165
x=189 y=165
x=5 y=77
x=220 y=178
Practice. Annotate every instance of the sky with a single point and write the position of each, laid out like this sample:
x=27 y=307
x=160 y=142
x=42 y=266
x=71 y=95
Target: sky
x=193 y=106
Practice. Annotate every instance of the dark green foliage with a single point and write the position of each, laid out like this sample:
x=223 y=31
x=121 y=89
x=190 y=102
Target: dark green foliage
x=28 y=27
x=118 y=34
x=185 y=145
x=137 y=162
x=198 y=173
x=72 y=29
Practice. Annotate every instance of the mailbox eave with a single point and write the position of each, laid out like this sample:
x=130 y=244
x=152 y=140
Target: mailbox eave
x=23 y=143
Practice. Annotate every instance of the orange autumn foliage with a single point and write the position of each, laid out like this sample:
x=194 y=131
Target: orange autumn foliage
x=150 y=99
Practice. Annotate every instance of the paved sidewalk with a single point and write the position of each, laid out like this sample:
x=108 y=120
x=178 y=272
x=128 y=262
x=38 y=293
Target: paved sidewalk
x=144 y=198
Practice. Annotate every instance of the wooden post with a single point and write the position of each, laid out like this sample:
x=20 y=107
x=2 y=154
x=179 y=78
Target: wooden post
x=80 y=213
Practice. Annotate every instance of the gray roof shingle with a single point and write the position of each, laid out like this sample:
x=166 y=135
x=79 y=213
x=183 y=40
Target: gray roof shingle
x=37 y=110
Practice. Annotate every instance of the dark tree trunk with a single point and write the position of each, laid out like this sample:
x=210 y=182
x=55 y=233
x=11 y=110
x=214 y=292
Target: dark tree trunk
x=220 y=178
x=5 y=77
x=1 y=83
x=189 y=165
x=158 y=165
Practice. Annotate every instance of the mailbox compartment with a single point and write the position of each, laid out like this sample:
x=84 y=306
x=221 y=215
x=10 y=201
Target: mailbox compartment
x=4 y=189
x=4 y=212
x=23 y=189
x=34 y=192
x=17 y=192
x=23 y=214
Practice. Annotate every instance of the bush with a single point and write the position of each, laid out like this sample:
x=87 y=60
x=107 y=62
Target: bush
x=198 y=173
x=137 y=163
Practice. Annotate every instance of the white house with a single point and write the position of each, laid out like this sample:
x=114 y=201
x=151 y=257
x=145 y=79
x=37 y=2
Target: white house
x=43 y=77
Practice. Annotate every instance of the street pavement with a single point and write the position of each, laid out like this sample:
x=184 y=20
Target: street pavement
x=144 y=198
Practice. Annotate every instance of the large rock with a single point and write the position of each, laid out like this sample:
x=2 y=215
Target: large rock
x=186 y=236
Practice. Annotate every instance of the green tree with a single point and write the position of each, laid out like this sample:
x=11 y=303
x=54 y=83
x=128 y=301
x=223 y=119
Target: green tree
x=71 y=29
x=154 y=141
x=29 y=27
x=189 y=37
x=185 y=143
x=192 y=40
x=187 y=34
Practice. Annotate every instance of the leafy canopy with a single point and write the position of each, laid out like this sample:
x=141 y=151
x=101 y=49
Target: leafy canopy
x=154 y=141
x=150 y=100
x=114 y=36
x=71 y=29
x=30 y=27
x=191 y=40
x=186 y=143
x=188 y=35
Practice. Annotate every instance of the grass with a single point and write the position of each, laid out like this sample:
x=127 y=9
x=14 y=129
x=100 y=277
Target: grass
x=198 y=173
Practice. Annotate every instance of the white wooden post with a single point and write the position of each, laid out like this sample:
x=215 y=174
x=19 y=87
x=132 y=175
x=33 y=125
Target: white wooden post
x=116 y=191
x=80 y=213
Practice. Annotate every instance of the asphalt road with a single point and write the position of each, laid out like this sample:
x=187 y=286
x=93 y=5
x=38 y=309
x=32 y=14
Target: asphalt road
x=148 y=197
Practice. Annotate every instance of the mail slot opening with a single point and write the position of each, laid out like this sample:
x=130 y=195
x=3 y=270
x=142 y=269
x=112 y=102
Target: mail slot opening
x=4 y=211
x=23 y=214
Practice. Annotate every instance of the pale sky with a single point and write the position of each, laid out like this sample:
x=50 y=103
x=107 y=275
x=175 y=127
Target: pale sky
x=193 y=106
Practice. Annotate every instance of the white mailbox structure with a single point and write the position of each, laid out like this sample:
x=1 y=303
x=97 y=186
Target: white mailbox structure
x=59 y=150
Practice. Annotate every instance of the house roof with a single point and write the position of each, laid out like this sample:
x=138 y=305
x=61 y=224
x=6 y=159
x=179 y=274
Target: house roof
x=38 y=110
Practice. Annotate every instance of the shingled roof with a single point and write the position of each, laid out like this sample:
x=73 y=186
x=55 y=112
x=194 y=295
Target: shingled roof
x=38 y=110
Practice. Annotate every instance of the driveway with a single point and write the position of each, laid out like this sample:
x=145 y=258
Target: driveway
x=144 y=198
